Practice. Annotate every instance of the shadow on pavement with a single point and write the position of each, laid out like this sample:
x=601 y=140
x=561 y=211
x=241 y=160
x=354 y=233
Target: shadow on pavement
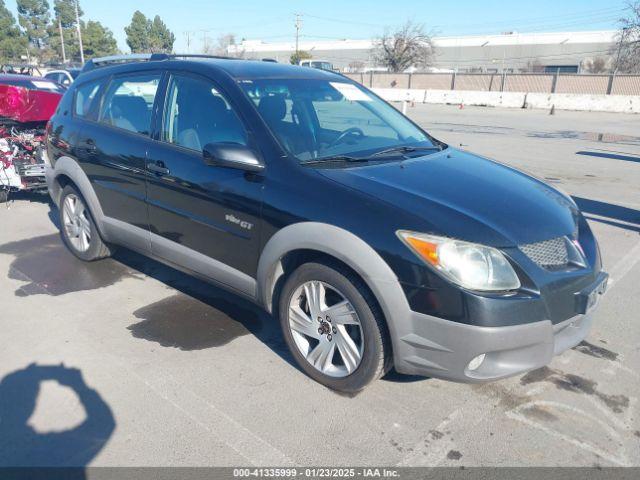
x=22 y=446
x=610 y=155
x=614 y=214
x=198 y=315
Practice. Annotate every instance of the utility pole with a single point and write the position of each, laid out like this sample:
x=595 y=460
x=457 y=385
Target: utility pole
x=188 y=35
x=298 y=26
x=205 y=42
x=79 y=33
x=64 y=56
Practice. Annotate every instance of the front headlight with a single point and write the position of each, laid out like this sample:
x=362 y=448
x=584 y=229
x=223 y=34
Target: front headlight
x=469 y=265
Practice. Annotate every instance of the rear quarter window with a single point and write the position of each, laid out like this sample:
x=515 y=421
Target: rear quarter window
x=86 y=96
x=128 y=102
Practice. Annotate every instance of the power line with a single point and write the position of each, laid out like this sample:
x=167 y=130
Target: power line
x=349 y=22
x=557 y=55
x=522 y=21
x=541 y=20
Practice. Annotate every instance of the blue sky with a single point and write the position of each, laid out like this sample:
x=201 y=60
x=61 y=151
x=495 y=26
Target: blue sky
x=273 y=20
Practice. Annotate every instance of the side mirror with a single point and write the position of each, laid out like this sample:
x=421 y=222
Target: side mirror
x=231 y=155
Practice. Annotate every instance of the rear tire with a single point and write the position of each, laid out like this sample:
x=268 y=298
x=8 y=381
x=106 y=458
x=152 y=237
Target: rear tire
x=4 y=195
x=78 y=229
x=343 y=343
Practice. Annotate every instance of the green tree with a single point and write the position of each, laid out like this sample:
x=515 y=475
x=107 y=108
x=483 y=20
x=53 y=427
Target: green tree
x=33 y=16
x=144 y=35
x=162 y=39
x=97 y=40
x=64 y=15
x=65 y=10
x=138 y=33
x=296 y=57
x=13 y=43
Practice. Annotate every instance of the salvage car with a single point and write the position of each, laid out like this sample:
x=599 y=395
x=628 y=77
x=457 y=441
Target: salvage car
x=375 y=244
x=26 y=104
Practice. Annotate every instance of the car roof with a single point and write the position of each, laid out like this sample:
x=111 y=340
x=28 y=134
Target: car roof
x=258 y=69
x=235 y=68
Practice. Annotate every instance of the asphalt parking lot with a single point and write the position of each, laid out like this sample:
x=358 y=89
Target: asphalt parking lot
x=126 y=362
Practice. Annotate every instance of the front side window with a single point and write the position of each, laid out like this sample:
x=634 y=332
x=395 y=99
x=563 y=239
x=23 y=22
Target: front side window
x=197 y=114
x=316 y=119
x=128 y=102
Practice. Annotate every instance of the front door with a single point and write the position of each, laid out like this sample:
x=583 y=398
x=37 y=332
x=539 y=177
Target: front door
x=203 y=217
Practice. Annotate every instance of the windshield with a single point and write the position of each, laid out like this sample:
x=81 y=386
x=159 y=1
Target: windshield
x=316 y=119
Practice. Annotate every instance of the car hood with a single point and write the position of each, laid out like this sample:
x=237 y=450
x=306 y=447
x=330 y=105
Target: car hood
x=465 y=196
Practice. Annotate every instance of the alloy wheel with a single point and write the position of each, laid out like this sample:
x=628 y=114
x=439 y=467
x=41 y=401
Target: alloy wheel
x=77 y=226
x=326 y=329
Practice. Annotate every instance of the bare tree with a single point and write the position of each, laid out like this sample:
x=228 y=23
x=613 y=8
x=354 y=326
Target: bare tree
x=627 y=50
x=596 y=65
x=407 y=46
x=534 y=66
x=225 y=46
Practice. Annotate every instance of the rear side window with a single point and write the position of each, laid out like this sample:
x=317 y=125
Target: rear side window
x=128 y=102
x=85 y=98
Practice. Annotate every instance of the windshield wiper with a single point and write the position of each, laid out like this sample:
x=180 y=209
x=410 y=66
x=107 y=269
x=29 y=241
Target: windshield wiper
x=381 y=153
x=334 y=158
x=405 y=149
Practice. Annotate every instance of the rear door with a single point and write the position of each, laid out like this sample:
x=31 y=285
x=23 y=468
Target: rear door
x=113 y=147
x=204 y=217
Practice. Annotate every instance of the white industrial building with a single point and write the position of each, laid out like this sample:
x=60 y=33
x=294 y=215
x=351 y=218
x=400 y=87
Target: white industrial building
x=511 y=52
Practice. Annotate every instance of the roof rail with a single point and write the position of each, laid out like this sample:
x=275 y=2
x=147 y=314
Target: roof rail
x=199 y=55
x=114 y=59
x=142 y=57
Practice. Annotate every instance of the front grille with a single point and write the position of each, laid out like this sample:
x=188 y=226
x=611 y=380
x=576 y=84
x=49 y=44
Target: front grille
x=550 y=254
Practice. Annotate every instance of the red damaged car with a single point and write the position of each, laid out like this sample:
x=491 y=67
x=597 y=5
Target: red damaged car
x=26 y=104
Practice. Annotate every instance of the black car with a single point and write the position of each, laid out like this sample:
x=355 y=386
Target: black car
x=375 y=244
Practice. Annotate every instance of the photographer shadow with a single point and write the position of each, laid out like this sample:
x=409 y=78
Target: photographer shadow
x=22 y=446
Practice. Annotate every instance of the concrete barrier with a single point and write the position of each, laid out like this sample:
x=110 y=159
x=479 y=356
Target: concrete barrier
x=482 y=99
x=561 y=101
x=401 y=94
x=591 y=103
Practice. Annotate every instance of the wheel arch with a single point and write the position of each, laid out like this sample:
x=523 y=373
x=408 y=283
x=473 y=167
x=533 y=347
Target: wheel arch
x=68 y=171
x=311 y=239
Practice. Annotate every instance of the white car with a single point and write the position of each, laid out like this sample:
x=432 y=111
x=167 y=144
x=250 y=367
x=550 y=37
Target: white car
x=319 y=64
x=63 y=77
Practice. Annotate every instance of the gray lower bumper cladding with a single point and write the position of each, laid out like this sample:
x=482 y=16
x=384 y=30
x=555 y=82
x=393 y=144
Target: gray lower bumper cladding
x=443 y=349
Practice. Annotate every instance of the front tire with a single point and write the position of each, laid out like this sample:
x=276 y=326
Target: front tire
x=334 y=327
x=78 y=229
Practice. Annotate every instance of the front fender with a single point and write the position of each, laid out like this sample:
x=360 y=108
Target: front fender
x=346 y=247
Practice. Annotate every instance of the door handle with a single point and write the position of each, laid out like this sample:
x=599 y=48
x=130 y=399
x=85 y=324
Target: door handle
x=157 y=168
x=90 y=147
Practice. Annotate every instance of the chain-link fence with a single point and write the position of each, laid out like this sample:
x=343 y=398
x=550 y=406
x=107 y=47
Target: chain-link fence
x=509 y=82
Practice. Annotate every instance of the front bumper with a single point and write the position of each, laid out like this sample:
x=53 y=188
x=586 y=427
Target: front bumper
x=434 y=347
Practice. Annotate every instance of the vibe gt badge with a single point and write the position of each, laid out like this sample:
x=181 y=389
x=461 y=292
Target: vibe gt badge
x=241 y=223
